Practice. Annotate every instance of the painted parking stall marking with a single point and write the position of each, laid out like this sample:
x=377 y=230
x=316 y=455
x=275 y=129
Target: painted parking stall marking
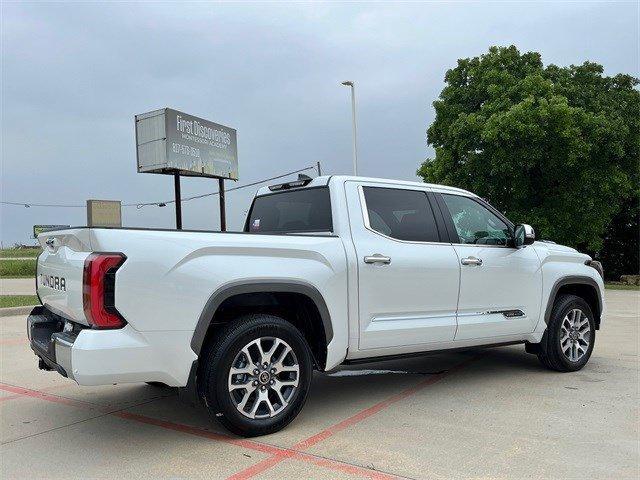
x=272 y=461
x=190 y=430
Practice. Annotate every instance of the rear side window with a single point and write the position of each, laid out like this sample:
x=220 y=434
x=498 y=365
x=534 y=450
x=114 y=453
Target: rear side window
x=296 y=211
x=401 y=214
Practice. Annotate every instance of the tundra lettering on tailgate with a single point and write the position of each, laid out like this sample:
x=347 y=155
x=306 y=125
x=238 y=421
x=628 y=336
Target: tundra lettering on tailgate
x=51 y=281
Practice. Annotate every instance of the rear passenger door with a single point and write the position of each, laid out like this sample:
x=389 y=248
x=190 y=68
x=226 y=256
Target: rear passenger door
x=407 y=272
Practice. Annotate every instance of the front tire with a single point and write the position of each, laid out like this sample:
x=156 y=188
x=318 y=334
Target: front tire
x=567 y=343
x=256 y=375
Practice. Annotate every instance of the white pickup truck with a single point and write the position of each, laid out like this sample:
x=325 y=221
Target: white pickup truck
x=329 y=271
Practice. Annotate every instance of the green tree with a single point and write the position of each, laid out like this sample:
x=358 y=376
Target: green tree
x=556 y=147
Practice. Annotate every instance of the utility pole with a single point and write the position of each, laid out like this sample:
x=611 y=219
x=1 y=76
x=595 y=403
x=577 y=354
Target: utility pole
x=353 y=120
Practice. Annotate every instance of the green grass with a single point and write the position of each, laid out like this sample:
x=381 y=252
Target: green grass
x=18 y=268
x=621 y=286
x=18 y=300
x=20 y=252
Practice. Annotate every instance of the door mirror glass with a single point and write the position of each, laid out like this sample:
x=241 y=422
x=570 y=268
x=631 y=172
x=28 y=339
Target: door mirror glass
x=524 y=235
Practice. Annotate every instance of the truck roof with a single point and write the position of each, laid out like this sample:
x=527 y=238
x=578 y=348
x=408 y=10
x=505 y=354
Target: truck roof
x=325 y=179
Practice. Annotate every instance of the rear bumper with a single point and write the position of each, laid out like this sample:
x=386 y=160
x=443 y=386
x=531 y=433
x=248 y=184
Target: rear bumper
x=103 y=357
x=49 y=341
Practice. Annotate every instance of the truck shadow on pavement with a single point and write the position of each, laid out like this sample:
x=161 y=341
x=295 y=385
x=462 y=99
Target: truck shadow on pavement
x=340 y=393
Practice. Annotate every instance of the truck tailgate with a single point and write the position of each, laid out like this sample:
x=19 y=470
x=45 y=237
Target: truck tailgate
x=60 y=270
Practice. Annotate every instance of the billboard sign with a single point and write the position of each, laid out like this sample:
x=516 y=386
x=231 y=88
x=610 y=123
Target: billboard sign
x=104 y=213
x=169 y=142
x=38 y=229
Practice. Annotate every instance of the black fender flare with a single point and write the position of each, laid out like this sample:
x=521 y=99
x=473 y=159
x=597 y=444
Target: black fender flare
x=571 y=280
x=257 y=286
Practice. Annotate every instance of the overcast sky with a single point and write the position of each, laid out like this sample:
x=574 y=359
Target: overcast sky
x=74 y=76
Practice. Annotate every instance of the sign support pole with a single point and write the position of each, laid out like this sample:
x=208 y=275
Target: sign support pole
x=176 y=187
x=223 y=215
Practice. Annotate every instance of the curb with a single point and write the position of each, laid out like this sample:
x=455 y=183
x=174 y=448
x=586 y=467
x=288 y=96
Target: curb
x=10 y=311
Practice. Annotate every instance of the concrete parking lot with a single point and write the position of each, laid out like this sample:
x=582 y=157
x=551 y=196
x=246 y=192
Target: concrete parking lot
x=492 y=413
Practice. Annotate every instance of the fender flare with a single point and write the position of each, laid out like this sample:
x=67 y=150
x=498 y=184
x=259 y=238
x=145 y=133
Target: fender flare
x=257 y=286
x=571 y=280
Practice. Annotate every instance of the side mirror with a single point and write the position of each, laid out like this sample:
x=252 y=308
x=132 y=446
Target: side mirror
x=524 y=235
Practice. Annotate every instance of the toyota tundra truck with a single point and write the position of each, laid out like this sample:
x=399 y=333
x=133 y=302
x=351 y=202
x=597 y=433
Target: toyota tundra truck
x=327 y=272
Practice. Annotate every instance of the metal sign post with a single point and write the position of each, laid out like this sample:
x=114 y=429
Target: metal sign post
x=223 y=215
x=176 y=188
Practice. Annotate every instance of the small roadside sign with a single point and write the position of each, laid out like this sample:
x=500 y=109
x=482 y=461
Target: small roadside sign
x=104 y=213
x=38 y=229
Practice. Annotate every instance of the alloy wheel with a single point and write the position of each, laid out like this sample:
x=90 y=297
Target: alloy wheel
x=575 y=335
x=263 y=378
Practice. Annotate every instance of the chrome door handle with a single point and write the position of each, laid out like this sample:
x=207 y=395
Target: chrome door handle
x=377 y=258
x=471 y=261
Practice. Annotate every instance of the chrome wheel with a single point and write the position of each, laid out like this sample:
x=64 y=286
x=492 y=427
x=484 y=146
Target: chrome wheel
x=575 y=335
x=263 y=377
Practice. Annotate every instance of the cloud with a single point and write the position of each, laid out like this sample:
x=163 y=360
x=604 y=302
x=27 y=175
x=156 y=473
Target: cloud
x=74 y=75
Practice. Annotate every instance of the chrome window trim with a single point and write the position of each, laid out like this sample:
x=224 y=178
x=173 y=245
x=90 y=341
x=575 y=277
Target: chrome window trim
x=365 y=214
x=482 y=246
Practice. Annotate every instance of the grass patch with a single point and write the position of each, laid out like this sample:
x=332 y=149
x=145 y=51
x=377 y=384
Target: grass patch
x=621 y=286
x=18 y=300
x=18 y=268
x=20 y=252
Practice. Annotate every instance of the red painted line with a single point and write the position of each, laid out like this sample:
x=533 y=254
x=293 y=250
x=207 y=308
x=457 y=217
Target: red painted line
x=27 y=392
x=276 y=452
x=219 y=437
x=270 y=462
x=44 y=389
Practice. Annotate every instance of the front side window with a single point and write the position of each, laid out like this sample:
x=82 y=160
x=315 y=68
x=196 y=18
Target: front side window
x=401 y=214
x=475 y=223
x=306 y=210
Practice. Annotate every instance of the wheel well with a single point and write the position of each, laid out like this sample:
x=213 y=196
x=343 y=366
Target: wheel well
x=296 y=308
x=588 y=293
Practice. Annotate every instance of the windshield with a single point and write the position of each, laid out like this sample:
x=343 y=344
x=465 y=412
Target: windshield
x=296 y=211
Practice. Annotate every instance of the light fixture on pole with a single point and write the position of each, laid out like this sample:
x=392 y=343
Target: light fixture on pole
x=353 y=120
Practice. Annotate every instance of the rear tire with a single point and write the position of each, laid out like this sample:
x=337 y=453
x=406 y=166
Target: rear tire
x=567 y=343
x=249 y=403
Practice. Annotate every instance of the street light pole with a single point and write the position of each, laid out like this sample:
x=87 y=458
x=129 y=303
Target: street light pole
x=353 y=120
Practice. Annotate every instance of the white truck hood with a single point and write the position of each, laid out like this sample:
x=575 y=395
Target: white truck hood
x=555 y=249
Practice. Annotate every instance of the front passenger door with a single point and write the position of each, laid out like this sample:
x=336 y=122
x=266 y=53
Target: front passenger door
x=500 y=285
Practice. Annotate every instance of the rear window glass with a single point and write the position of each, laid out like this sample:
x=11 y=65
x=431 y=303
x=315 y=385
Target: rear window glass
x=307 y=210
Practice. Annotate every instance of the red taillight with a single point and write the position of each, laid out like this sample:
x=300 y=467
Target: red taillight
x=98 y=285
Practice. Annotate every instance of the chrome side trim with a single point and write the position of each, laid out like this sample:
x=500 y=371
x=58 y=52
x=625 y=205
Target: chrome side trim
x=509 y=313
